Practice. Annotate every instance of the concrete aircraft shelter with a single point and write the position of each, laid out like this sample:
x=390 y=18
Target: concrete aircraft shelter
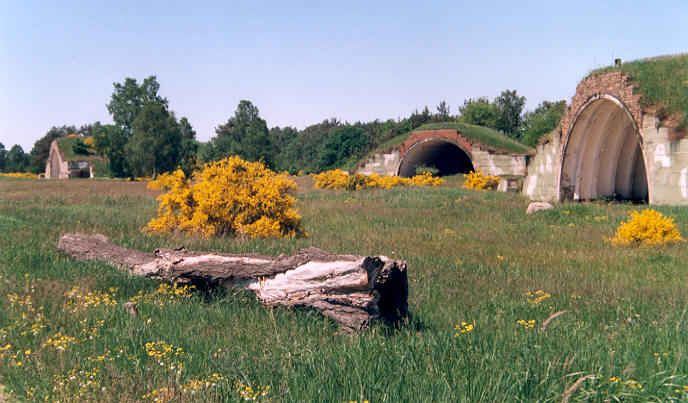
x=448 y=150
x=611 y=146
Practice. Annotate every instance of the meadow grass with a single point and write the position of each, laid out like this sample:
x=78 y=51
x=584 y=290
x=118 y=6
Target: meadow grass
x=472 y=257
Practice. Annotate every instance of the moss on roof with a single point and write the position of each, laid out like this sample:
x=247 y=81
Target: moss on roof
x=659 y=80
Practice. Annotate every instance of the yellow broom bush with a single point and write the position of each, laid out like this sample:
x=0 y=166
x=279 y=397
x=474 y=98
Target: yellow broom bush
x=340 y=180
x=649 y=227
x=27 y=175
x=231 y=196
x=478 y=181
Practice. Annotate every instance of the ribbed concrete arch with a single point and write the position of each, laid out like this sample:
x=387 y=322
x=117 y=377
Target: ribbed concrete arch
x=445 y=155
x=602 y=153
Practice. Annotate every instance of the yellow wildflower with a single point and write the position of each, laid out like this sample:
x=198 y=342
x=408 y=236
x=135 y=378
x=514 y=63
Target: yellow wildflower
x=649 y=227
x=478 y=181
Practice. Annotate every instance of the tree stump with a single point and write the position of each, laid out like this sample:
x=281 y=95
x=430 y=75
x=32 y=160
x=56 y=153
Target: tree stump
x=352 y=290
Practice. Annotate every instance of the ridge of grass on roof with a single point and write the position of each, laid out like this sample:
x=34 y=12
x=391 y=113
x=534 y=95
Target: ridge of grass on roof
x=659 y=80
x=481 y=134
x=67 y=151
x=66 y=145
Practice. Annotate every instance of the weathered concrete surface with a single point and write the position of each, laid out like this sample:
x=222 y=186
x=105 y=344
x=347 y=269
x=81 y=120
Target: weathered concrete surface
x=384 y=163
x=666 y=162
x=543 y=169
x=610 y=147
x=447 y=150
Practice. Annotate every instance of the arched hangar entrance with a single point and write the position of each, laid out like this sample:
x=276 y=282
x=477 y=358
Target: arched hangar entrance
x=443 y=154
x=603 y=154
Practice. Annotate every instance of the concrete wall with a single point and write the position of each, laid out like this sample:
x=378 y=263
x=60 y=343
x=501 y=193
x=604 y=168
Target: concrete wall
x=610 y=145
x=55 y=167
x=666 y=163
x=387 y=163
x=498 y=164
x=384 y=163
x=541 y=182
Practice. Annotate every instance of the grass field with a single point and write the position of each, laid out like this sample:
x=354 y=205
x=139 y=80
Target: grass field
x=472 y=256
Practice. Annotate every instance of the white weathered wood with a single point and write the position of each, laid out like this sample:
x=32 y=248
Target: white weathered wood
x=352 y=290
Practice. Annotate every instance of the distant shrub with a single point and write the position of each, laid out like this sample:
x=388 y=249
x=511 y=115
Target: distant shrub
x=340 y=180
x=422 y=169
x=649 y=227
x=230 y=196
x=19 y=175
x=478 y=181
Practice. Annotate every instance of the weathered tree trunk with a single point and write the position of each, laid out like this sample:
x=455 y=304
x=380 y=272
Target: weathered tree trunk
x=352 y=290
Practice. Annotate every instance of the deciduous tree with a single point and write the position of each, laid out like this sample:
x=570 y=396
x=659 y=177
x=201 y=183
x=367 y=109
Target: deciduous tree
x=188 y=147
x=17 y=159
x=3 y=157
x=245 y=134
x=155 y=143
x=128 y=98
x=478 y=111
x=545 y=118
x=508 y=117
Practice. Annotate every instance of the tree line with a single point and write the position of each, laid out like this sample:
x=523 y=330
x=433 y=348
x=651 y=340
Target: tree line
x=146 y=138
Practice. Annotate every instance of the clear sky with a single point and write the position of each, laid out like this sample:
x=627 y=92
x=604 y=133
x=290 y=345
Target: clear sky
x=301 y=62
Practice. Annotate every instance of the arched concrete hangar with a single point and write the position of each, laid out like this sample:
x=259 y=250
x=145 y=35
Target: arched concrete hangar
x=453 y=148
x=614 y=143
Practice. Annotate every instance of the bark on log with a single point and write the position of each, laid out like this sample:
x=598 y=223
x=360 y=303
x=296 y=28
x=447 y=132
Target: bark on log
x=353 y=290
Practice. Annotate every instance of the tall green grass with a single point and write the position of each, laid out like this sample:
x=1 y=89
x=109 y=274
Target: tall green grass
x=472 y=256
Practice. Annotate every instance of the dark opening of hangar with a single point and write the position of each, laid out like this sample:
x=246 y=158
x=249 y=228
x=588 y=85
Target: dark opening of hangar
x=446 y=156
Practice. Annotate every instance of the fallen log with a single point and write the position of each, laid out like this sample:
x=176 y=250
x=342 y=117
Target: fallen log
x=352 y=290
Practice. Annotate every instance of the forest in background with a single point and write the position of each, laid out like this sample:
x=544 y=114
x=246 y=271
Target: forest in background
x=146 y=138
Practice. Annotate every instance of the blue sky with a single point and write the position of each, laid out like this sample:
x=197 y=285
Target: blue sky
x=301 y=62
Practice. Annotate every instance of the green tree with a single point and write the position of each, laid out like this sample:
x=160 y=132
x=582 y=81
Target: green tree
x=443 y=114
x=245 y=134
x=79 y=147
x=3 y=157
x=128 y=99
x=188 y=147
x=155 y=143
x=38 y=156
x=17 y=160
x=341 y=145
x=478 y=112
x=418 y=119
x=110 y=142
x=147 y=139
x=509 y=106
x=545 y=118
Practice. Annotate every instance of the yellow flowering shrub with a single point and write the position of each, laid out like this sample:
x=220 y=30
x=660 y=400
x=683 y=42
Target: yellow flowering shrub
x=340 y=180
x=27 y=175
x=478 y=181
x=649 y=227
x=231 y=196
